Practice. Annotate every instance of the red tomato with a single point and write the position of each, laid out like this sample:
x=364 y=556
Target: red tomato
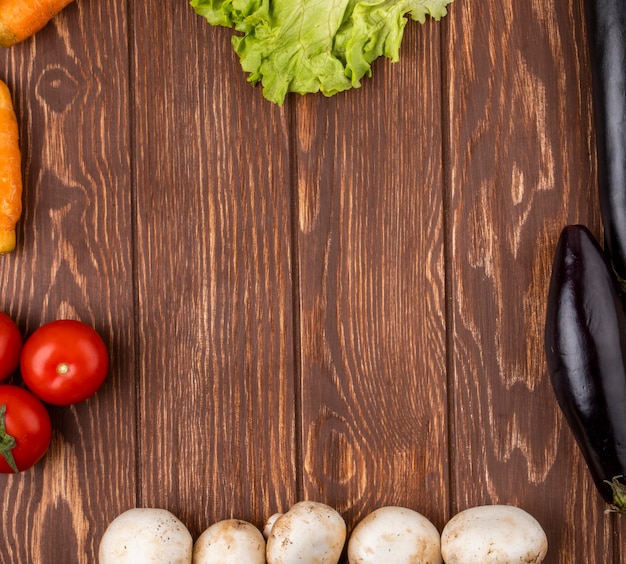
x=25 y=429
x=10 y=346
x=64 y=362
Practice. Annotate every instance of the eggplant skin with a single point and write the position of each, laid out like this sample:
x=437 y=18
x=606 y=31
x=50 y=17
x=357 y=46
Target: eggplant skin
x=585 y=343
x=606 y=32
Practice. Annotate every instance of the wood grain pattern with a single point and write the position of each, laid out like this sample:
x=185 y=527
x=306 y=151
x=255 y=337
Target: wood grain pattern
x=213 y=231
x=74 y=259
x=522 y=168
x=339 y=299
x=370 y=248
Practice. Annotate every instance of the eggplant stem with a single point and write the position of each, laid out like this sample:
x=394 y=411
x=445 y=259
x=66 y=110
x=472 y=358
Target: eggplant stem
x=621 y=281
x=619 y=495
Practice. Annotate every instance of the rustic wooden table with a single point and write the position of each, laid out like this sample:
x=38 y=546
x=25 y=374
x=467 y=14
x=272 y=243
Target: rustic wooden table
x=340 y=299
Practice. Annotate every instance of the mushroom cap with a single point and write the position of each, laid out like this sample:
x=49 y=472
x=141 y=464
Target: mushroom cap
x=309 y=533
x=492 y=534
x=143 y=535
x=394 y=534
x=231 y=541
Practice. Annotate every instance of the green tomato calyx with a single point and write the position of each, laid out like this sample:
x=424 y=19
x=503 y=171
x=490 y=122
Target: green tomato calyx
x=7 y=442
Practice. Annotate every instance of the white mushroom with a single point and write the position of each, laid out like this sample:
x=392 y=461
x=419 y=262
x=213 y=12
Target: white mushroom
x=397 y=535
x=269 y=523
x=146 y=535
x=309 y=533
x=230 y=541
x=493 y=534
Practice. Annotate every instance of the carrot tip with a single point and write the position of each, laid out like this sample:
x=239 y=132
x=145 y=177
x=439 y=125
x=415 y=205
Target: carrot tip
x=7 y=37
x=7 y=242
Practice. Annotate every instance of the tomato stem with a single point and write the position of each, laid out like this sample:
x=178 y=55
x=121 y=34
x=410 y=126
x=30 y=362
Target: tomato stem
x=7 y=442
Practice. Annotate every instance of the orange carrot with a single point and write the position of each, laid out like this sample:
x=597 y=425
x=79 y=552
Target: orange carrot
x=19 y=19
x=10 y=172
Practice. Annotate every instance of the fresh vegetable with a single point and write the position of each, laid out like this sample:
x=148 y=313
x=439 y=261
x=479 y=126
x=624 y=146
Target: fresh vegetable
x=25 y=429
x=269 y=523
x=326 y=46
x=19 y=19
x=493 y=534
x=309 y=533
x=394 y=534
x=10 y=170
x=64 y=362
x=585 y=340
x=606 y=25
x=10 y=346
x=231 y=541
x=143 y=535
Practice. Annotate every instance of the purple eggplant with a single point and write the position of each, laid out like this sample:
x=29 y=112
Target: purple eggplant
x=606 y=31
x=585 y=341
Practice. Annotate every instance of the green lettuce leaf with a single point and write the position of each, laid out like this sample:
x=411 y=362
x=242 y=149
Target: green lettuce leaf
x=307 y=46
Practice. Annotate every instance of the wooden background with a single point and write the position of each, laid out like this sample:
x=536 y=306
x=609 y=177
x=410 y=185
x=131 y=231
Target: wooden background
x=338 y=299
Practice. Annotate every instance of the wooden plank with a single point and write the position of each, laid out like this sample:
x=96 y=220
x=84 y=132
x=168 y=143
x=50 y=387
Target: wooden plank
x=213 y=262
x=522 y=167
x=370 y=249
x=74 y=260
x=341 y=299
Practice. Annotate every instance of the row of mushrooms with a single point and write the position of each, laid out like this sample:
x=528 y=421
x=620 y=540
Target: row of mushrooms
x=315 y=533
